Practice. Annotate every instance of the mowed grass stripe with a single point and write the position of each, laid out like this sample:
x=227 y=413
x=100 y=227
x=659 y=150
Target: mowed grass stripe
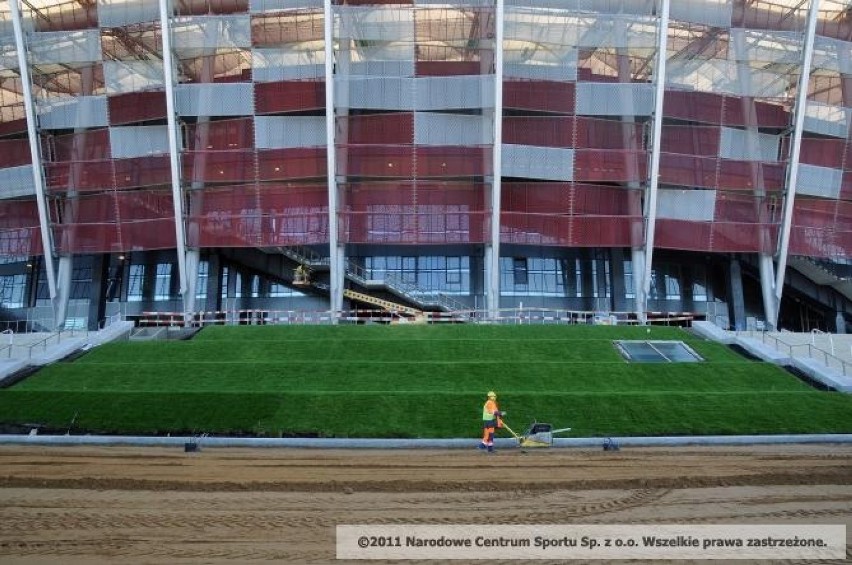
x=366 y=376
x=439 y=415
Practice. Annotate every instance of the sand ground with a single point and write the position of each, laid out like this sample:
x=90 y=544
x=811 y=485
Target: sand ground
x=97 y=505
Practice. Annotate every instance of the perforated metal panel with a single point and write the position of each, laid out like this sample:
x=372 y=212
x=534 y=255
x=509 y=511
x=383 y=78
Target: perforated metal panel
x=683 y=204
x=819 y=181
x=78 y=112
x=257 y=6
x=832 y=54
x=827 y=120
x=270 y=65
x=645 y=7
x=446 y=93
x=8 y=54
x=214 y=99
x=451 y=129
x=133 y=76
x=113 y=13
x=547 y=163
x=595 y=99
x=16 y=182
x=205 y=33
x=758 y=46
x=717 y=14
x=138 y=141
x=745 y=145
x=273 y=132
x=63 y=47
x=363 y=23
x=384 y=68
x=723 y=77
x=558 y=73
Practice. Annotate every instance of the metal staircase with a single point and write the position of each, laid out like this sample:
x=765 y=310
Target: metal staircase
x=837 y=275
x=391 y=283
x=387 y=305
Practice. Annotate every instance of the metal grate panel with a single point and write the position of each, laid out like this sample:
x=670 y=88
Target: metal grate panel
x=115 y=13
x=602 y=99
x=271 y=65
x=259 y=6
x=451 y=129
x=528 y=161
x=67 y=113
x=138 y=141
x=63 y=47
x=819 y=181
x=827 y=120
x=691 y=205
x=747 y=145
x=716 y=14
x=16 y=182
x=214 y=99
x=211 y=32
x=274 y=132
x=121 y=77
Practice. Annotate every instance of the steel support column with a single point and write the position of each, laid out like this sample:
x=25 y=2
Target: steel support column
x=492 y=263
x=336 y=252
x=654 y=169
x=793 y=167
x=177 y=192
x=35 y=152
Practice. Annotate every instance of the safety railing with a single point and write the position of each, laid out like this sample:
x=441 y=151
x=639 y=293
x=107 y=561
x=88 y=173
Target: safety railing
x=828 y=359
x=7 y=348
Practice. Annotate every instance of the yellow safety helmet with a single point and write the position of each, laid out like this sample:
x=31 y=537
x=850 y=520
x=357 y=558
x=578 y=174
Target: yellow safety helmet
x=492 y=394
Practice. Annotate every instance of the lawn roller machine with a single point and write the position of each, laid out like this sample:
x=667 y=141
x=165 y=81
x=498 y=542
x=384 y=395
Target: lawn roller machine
x=538 y=434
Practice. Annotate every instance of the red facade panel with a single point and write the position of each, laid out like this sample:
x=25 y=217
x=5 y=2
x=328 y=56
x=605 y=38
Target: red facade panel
x=219 y=166
x=449 y=68
x=14 y=152
x=381 y=129
x=135 y=107
x=296 y=163
x=143 y=172
x=574 y=231
x=821 y=228
x=601 y=165
x=20 y=235
x=13 y=127
x=691 y=140
x=824 y=152
x=258 y=215
x=722 y=237
x=221 y=135
x=289 y=96
x=714 y=172
x=570 y=131
x=115 y=221
x=88 y=145
x=83 y=176
x=391 y=224
x=707 y=107
x=545 y=96
x=413 y=161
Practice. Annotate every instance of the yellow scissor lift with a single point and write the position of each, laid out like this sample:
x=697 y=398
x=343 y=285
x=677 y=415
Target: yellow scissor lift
x=387 y=305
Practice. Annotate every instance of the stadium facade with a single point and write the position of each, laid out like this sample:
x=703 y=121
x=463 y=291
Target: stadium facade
x=607 y=155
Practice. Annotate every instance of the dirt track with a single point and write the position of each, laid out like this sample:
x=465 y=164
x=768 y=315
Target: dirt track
x=160 y=505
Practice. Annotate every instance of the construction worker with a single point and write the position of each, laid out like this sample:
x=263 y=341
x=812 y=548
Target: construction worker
x=491 y=419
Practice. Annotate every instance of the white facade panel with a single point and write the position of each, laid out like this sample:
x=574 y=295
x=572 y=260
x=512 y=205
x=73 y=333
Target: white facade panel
x=745 y=145
x=715 y=13
x=114 y=13
x=138 y=141
x=452 y=129
x=529 y=161
x=607 y=99
x=260 y=6
x=8 y=54
x=556 y=73
x=690 y=205
x=385 y=93
x=133 y=76
x=723 y=77
x=235 y=99
x=274 y=132
x=819 y=181
x=833 y=55
x=759 y=46
x=65 y=47
x=206 y=33
x=68 y=113
x=636 y=7
x=457 y=92
x=586 y=30
x=16 y=182
x=367 y=23
x=270 y=65
x=827 y=120
x=403 y=68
